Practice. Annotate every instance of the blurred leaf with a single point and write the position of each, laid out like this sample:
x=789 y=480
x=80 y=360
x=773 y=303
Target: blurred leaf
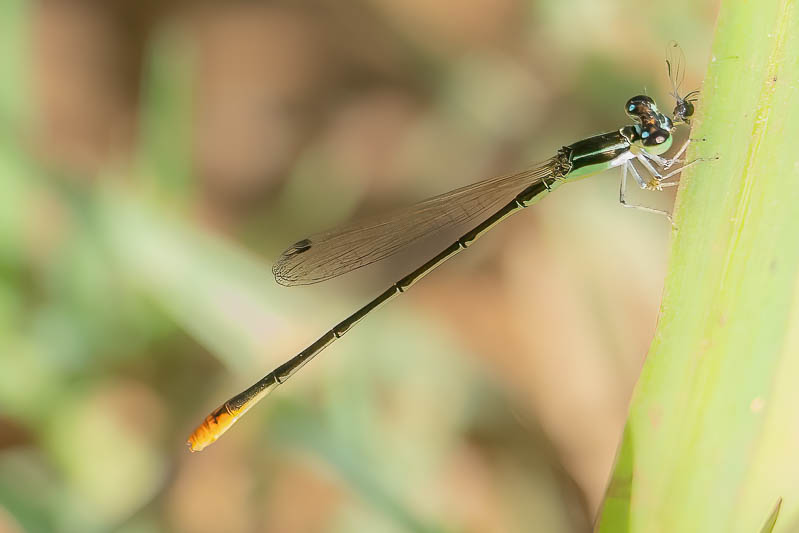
x=212 y=288
x=166 y=119
x=297 y=427
x=25 y=493
x=13 y=71
x=96 y=451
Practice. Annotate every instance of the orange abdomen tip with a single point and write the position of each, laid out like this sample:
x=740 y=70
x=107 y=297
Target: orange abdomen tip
x=212 y=428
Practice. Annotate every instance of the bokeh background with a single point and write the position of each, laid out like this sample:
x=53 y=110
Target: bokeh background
x=155 y=157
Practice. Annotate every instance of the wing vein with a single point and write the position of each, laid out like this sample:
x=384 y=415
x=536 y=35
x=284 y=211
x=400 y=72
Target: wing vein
x=351 y=246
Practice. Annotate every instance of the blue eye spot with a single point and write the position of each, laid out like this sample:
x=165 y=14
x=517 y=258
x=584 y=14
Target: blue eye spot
x=644 y=135
x=631 y=108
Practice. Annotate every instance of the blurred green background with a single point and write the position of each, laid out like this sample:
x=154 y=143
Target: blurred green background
x=155 y=157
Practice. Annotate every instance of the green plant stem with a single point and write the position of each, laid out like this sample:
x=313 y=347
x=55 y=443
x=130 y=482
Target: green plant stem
x=710 y=442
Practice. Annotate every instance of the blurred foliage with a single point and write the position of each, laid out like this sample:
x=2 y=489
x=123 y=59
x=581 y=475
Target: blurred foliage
x=153 y=160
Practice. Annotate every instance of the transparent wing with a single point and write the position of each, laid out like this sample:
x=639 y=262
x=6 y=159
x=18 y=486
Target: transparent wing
x=326 y=255
x=675 y=67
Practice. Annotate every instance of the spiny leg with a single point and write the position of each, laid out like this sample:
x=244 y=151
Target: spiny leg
x=639 y=179
x=623 y=185
x=678 y=170
x=660 y=178
x=676 y=157
x=667 y=162
x=646 y=160
x=636 y=175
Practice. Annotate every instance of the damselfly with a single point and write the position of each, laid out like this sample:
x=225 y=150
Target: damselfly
x=333 y=253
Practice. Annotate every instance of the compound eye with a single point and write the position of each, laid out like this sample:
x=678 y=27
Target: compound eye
x=654 y=136
x=639 y=105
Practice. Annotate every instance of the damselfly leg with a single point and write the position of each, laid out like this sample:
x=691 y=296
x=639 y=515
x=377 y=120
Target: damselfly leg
x=656 y=181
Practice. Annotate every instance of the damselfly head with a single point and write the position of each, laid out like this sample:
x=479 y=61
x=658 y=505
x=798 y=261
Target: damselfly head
x=653 y=127
x=641 y=106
